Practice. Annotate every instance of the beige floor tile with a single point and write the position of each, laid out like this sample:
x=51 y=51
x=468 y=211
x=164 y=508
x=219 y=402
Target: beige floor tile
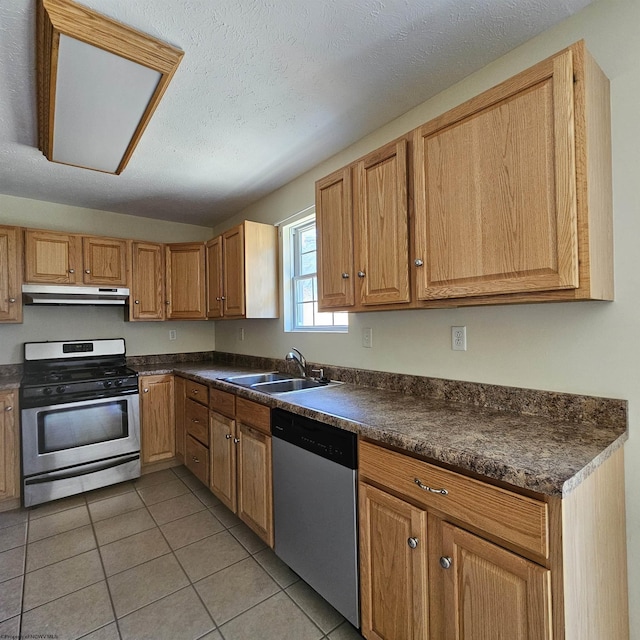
x=10 y=628
x=57 y=580
x=277 y=569
x=181 y=471
x=12 y=518
x=195 y=527
x=175 y=508
x=207 y=556
x=180 y=615
x=132 y=551
x=213 y=635
x=10 y=598
x=165 y=491
x=71 y=616
x=60 y=547
x=318 y=609
x=49 y=508
x=109 y=492
x=247 y=538
x=12 y=563
x=274 y=619
x=146 y=583
x=114 y=506
x=346 y=631
x=126 y=524
x=225 y=516
x=157 y=477
x=58 y=523
x=193 y=483
x=235 y=589
x=206 y=497
x=110 y=632
x=11 y=537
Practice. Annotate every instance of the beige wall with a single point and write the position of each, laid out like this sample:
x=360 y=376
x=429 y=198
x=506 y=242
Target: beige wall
x=590 y=348
x=77 y=323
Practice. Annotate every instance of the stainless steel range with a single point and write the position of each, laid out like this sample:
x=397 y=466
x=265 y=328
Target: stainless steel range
x=80 y=418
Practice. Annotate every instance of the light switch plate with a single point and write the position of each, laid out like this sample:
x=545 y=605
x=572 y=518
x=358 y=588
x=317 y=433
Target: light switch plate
x=367 y=337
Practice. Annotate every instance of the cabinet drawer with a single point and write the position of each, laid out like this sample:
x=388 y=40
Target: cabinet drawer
x=222 y=402
x=198 y=392
x=253 y=414
x=197 y=421
x=517 y=519
x=197 y=460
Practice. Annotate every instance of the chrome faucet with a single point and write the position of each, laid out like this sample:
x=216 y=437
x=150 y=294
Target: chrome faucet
x=296 y=356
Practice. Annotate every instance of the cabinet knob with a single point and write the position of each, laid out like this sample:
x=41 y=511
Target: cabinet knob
x=137 y=301
x=72 y=270
x=194 y=391
x=228 y=436
x=218 y=298
x=145 y=391
x=196 y=460
x=166 y=302
x=361 y=274
x=445 y=562
x=236 y=440
x=412 y=542
x=222 y=298
x=345 y=275
x=12 y=300
x=195 y=420
x=418 y=262
x=8 y=408
x=87 y=270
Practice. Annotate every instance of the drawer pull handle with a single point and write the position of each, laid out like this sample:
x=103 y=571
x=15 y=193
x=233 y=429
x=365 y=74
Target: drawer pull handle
x=442 y=492
x=194 y=420
x=412 y=542
x=445 y=562
x=228 y=436
x=196 y=460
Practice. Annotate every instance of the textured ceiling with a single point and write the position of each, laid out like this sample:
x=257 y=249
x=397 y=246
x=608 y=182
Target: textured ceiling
x=266 y=90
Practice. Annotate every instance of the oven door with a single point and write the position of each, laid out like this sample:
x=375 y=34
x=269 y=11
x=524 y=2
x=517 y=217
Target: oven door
x=66 y=435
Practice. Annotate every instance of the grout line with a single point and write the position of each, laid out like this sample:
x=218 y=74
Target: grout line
x=24 y=571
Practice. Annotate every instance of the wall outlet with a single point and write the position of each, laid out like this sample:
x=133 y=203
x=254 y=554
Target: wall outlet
x=173 y=334
x=241 y=334
x=459 y=338
x=367 y=337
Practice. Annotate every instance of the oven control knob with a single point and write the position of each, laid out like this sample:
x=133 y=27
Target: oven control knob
x=47 y=391
x=118 y=383
x=107 y=384
x=61 y=389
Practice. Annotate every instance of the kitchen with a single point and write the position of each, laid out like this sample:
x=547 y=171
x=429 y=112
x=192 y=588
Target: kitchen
x=582 y=348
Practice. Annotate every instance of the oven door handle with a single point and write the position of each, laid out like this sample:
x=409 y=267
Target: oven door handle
x=83 y=470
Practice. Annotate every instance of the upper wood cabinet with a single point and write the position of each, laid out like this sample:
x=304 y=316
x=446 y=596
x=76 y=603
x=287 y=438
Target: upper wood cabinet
x=363 y=232
x=147 y=299
x=63 y=258
x=10 y=274
x=157 y=432
x=185 y=281
x=242 y=272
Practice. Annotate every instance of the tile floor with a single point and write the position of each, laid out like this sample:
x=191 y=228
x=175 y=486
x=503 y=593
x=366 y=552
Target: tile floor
x=158 y=558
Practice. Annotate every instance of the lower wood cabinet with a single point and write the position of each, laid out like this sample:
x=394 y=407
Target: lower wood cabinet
x=436 y=563
x=157 y=418
x=240 y=458
x=9 y=449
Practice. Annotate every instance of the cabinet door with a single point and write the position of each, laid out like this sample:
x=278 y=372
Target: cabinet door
x=214 y=278
x=380 y=208
x=255 y=482
x=180 y=406
x=222 y=455
x=490 y=592
x=334 y=220
x=185 y=281
x=233 y=272
x=495 y=190
x=393 y=567
x=10 y=449
x=147 y=282
x=10 y=274
x=52 y=258
x=105 y=261
x=157 y=418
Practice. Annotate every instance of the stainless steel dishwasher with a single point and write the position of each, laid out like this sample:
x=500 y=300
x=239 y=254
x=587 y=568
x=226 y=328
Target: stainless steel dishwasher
x=314 y=500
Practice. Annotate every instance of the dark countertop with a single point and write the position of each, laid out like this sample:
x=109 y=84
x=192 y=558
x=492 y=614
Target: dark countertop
x=531 y=452
x=10 y=382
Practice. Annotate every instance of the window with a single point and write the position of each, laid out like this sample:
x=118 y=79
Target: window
x=302 y=308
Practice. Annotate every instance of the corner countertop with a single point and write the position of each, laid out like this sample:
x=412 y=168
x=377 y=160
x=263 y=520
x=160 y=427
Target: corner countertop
x=546 y=456
x=10 y=382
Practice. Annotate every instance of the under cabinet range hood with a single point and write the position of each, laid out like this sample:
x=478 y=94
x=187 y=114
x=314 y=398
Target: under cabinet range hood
x=58 y=294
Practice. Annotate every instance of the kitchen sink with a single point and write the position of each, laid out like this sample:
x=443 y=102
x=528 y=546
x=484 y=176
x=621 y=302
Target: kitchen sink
x=275 y=382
